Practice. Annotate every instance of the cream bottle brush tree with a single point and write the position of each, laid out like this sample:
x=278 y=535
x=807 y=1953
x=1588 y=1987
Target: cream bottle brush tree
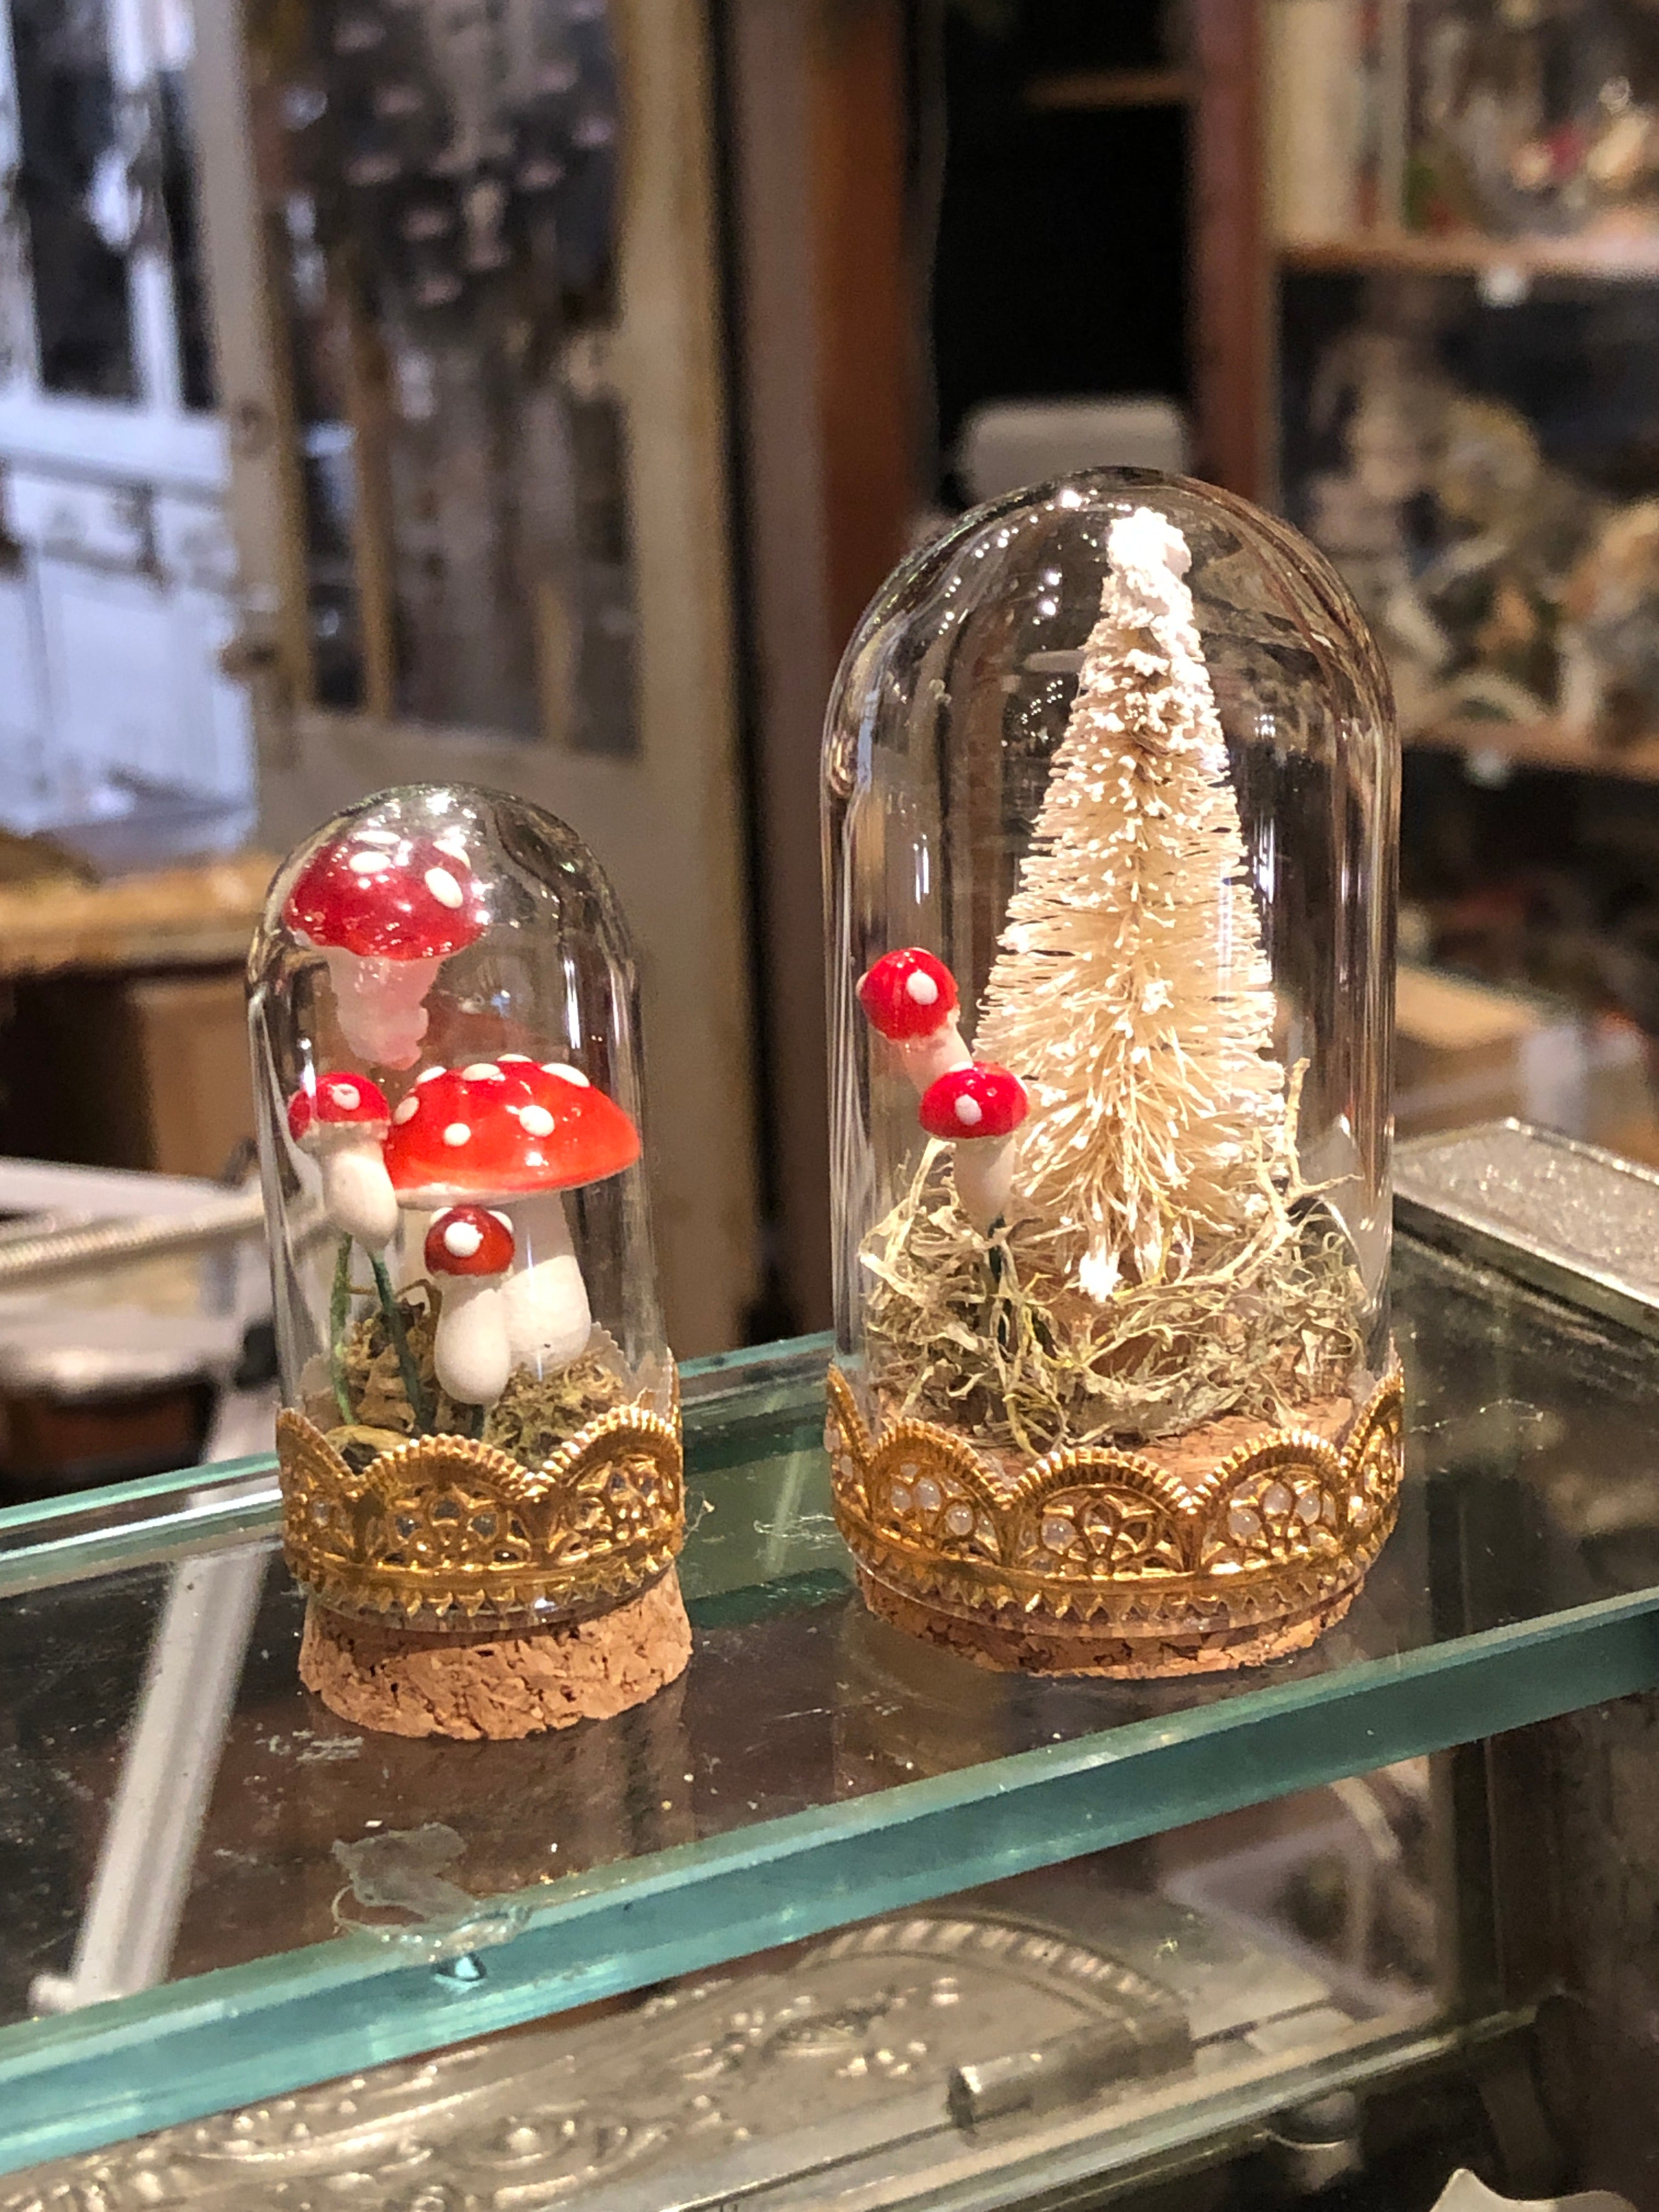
x=1130 y=992
x=1160 y=1265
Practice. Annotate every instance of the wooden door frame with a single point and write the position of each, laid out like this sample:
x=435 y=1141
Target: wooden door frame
x=1231 y=311
x=826 y=375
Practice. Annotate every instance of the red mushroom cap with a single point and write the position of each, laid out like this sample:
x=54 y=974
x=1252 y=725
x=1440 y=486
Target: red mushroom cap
x=468 y=1240
x=387 y=897
x=488 y=1131
x=337 y=1101
x=980 y=1101
x=907 y=994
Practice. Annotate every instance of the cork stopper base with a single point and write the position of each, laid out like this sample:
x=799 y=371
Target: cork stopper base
x=493 y=1686
x=1028 y=1646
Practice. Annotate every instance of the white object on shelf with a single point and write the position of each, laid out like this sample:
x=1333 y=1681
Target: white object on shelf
x=1006 y=444
x=1463 y=2193
x=1315 y=118
x=167 y=1771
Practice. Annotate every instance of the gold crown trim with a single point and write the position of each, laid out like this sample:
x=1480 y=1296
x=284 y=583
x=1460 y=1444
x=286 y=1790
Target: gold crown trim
x=1096 y=1545
x=443 y=1532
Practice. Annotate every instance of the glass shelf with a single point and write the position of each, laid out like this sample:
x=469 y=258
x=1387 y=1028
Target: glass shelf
x=812 y=1767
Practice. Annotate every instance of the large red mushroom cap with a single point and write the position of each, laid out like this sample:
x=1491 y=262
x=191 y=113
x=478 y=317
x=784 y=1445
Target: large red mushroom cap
x=468 y=1240
x=979 y=1100
x=495 y=1131
x=387 y=897
x=336 y=1102
x=907 y=994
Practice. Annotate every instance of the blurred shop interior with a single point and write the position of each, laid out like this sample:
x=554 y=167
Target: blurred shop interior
x=536 y=394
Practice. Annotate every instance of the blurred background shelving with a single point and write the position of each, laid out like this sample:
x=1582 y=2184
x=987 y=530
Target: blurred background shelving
x=1462 y=289
x=313 y=503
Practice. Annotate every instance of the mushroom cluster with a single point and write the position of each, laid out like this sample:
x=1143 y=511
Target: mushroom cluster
x=509 y=1134
x=911 y=999
x=385 y=910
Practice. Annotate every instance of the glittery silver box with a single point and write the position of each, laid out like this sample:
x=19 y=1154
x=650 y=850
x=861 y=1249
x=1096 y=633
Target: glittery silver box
x=1567 y=1218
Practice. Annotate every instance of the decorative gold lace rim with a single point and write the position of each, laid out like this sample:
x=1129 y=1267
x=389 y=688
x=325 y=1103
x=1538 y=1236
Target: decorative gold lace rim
x=1108 y=1543
x=443 y=1532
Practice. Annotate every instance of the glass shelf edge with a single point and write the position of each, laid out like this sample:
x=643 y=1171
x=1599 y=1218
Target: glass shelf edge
x=150 y=1490
x=259 y=2030
x=248 y=1517
x=792 y=1365
x=715 y=1371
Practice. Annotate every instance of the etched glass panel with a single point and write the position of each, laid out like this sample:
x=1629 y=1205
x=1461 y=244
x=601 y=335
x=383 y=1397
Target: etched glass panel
x=441 y=184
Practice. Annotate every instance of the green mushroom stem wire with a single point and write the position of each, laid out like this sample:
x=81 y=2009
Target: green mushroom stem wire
x=413 y=1390
x=339 y=1314
x=339 y=1322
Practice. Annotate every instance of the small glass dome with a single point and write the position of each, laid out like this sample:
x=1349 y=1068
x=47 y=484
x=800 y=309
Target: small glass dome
x=444 y=1033
x=1110 y=809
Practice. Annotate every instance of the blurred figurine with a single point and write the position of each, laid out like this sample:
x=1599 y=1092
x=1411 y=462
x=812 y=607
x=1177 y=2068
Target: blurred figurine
x=1610 y=635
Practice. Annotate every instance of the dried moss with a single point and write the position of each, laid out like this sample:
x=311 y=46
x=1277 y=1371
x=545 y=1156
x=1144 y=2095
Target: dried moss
x=534 y=1415
x=989 y=1337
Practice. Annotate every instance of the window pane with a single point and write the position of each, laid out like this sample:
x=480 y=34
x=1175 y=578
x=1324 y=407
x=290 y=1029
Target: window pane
x=72 y=183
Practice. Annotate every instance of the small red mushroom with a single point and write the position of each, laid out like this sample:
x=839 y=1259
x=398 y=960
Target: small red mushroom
x=516 y=1133
x=341 y=1120
x=387 y=910
x=470 y=1248
x=977 y=1108
x=911 y=998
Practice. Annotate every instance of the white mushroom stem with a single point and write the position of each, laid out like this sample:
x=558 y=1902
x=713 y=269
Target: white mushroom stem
x=357 y=1193
x=471 y=1351
x=381 y=1004
x=984 y=1169
x=549 y=1321
x=926 y=1059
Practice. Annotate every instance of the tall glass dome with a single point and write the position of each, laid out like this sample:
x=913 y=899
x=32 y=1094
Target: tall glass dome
x=1111 y=803
x=445 y=1031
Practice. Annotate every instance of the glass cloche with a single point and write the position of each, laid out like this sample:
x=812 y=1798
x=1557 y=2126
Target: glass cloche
x=480 y=1418
x=1110 y=794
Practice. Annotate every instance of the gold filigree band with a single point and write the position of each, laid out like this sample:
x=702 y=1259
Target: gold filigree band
x=1093 y=1559
x=443 y=1533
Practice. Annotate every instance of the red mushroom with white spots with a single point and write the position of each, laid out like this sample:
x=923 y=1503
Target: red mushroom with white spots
x=387 y=910
x=341 y=1121
x=977 y=1108
x=911 y=998
x=514 y=1133
x=468 y=1249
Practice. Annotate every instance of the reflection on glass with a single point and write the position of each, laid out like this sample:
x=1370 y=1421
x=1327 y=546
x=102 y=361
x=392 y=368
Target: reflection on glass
x=72 y=183
x=440 y=184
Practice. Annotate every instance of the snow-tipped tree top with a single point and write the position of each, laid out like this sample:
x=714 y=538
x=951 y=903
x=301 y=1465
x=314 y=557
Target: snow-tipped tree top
x=1130 y=992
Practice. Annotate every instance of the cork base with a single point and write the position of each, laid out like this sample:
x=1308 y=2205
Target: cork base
x=494 y=1686
x=1027 y=1646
